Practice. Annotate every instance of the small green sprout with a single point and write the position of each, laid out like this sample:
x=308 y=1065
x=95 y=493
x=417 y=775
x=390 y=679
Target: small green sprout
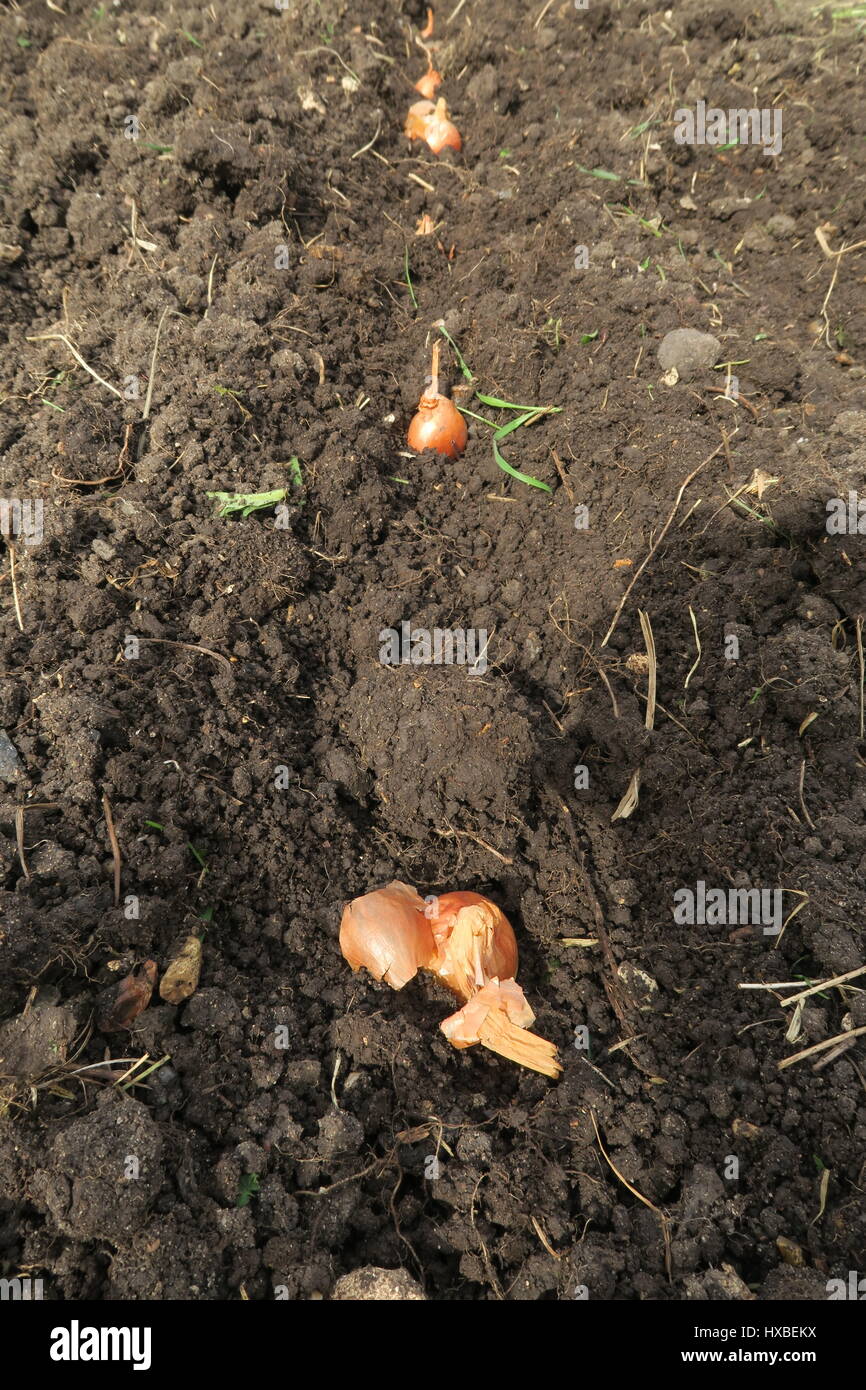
x=247 y=502
x=250 y=1186
x=457 y=353
x=295 y=473
x=408 y=277
x=599 y=173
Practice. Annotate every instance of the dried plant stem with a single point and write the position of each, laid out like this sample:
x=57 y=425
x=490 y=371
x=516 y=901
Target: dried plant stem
x=151 y=376
x=190 y=647
x=803 y=807
x=62 y=338
x=858 y=630
x=19 y=840
x=666 y=1235
x=15 y=588
x=646 y=629
x=434 y=370
x=697 y=660
x=115 y=847
x=821 y=984
x=821 y=1046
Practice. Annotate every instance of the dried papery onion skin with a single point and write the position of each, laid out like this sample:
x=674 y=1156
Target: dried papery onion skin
x=465 y=1027
x=498 y=1017
x=498 y=1032
x=387 y=933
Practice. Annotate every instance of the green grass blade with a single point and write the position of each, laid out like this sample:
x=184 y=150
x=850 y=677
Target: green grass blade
x=512 y=405
x=246 y=502
x=527 y=419
x=472 y=414
x=515 y=473
x=408 y=276
x=599 y=173
x=457 y=353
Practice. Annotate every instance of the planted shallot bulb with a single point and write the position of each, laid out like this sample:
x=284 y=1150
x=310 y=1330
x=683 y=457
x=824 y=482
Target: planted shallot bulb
x=387 y=932
x=431 y=122
x=418 y=119
x=429 y=84
x=474 y=942
x=438 y=423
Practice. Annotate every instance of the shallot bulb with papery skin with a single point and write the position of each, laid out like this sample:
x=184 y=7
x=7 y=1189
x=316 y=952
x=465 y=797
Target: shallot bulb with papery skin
x=387 y=932
x=429 y=84
x=474 y=942
x=437 y=424
x=430 y=121
x=418 y=119
x=442 y=133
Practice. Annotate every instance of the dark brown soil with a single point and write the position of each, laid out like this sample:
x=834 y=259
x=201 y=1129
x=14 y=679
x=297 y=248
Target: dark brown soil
x=259 y=763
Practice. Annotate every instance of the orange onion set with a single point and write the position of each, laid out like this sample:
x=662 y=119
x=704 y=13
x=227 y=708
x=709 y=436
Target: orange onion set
x=429 y=84
x=437 y=424
x=467 y=943
x=431 y=121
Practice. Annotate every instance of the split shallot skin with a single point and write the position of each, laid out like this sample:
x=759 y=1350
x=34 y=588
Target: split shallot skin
x=474 y=942
x=387 y=932
x=467 y=942
x=498 y=1017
